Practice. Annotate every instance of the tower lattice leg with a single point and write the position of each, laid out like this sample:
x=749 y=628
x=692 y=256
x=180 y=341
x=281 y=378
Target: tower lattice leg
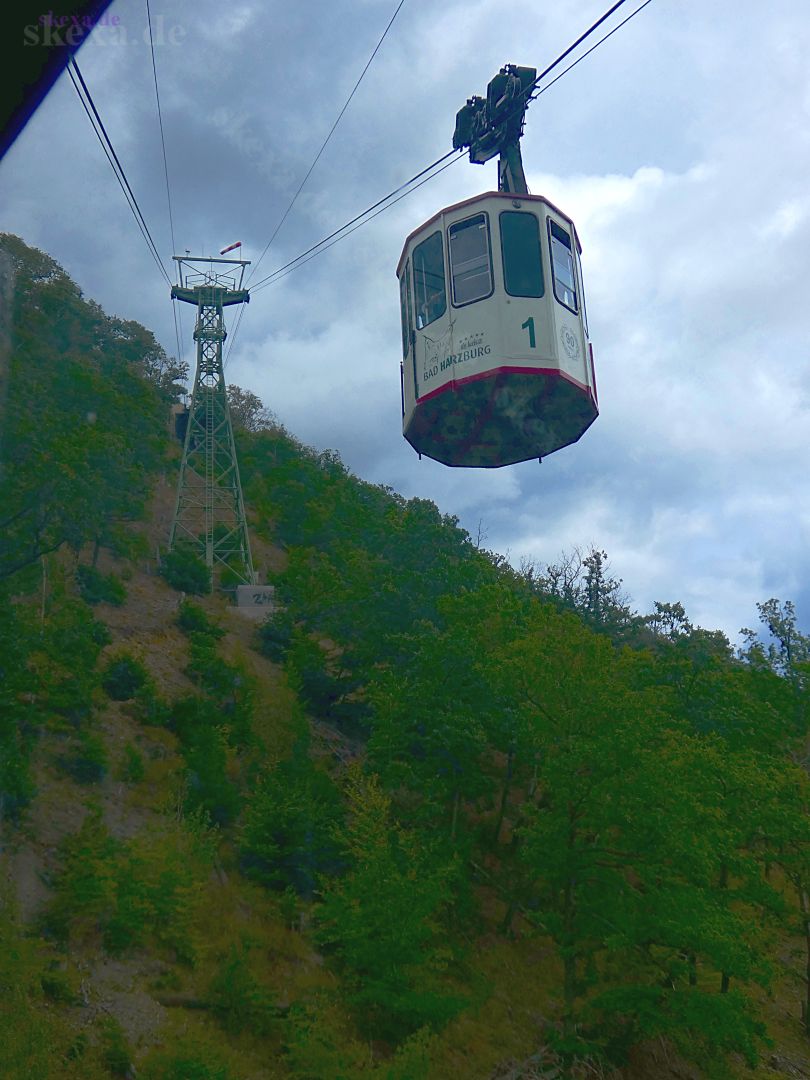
x=209 y=515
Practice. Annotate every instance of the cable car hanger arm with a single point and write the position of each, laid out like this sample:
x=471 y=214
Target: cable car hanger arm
x=494 y=125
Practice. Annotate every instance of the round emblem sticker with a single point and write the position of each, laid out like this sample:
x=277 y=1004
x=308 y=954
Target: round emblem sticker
x=570 y=342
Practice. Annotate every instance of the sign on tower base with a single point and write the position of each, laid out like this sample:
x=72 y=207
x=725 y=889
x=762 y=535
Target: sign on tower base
x=255 y=601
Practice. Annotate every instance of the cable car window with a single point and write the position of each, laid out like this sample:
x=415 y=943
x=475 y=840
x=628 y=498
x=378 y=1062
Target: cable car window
x=428 y=280
x=405 y=307
x=520 y=250
x=470 y=262
x=562 y=266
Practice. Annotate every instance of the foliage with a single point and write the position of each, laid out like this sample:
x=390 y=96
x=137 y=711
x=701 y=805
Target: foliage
x=63 y=660
x=583 y=584
x=319 y=1044
x=383 y=921
x=147 y=890
x=116 y=1053
x=82 y=440
x=210 y=789
x=287 y=835
x=17 y=715
x=88 y=761
x=132 y=768
x=192 y=619
x=225 y=684
x=186 y=1060
x=84 y=895
x=239 y=1000
x=96 y=587
x=247 y=410
x=501 y=715
x=621 y=892
x=430 y=726
x=364 y=563
x=123 y=677
x=208 y=755
x=275 y=635
x=185 y=571
x=35 y=1039
x=623 y=788
x=149 y=708
x=326 y=684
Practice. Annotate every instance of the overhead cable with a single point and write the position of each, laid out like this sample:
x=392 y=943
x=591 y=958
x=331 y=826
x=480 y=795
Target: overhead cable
x=106 y=144
x=390 y=200
x=326 y=140
x=357 y=217
x=580 y=39
x=177 y=328
x=345 y=231
x=594 y=46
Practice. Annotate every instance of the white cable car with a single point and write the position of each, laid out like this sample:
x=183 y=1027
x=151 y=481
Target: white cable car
x=497 y=363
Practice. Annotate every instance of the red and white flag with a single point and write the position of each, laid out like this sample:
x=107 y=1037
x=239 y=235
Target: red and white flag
x=227 y=249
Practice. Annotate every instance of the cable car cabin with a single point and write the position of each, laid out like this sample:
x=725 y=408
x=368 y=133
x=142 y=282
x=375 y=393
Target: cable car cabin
x=497 y=363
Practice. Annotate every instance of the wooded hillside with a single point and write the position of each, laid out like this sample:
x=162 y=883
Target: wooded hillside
x=436 y=818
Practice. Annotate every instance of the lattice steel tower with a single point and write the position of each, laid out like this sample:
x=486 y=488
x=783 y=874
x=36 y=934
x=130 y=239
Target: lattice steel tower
x=209 y=516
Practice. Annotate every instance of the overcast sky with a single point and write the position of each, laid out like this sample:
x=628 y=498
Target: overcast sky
x=681 y=148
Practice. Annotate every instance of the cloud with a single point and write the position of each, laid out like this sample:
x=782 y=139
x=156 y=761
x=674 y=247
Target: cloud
x=681 y=150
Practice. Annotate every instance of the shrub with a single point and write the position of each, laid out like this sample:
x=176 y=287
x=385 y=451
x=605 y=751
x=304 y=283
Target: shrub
x=116 y=1054
x=275 y=635
x=88 y=763
x=209 y=787
x=96 y=587
x=150 y=709
x=190 y=1058
x=147 y=890
x=226 y=685
x=239 y=1000
x=287 y=836
x=186 y=572
x=132 y=769
x=319 y=1044
x=58 y=987
x=159 y=877
x=198 y=723
x=99 y=633
x=384 y=921
x=84 y=890
x=124 y=677
x=65 y=663
x=193 y=620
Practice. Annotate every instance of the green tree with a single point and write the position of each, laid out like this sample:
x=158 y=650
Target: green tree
x=383 y=923
x=287 y=835
x=622 y=887
x=426 y=739
x=248 y=411
x=18 y=716
x=583 y=583
x=167 y=374
x=82 y=438
x=786 y=654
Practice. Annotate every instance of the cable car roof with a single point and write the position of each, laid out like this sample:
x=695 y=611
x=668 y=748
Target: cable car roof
x=506 y=195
